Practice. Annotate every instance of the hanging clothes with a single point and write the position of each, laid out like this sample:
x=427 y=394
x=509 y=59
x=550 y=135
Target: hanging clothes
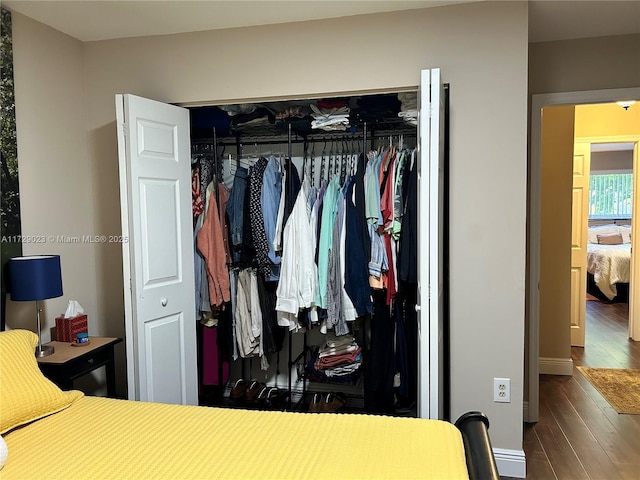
x=298 y=277
x=198 y=264
x=356 y=257
x=235 y=211
x=380 y=368
x=258 y=234
x=329 y=211
x=269 y=201
x=215 y=367
x=408 y=251
x=210 y=243
x=248 y=315
x=197 y=205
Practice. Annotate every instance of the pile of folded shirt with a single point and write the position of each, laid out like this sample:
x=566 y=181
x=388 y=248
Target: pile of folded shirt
x=295 y=111
x=339 y=360
x=409 y=107
x=330 y=115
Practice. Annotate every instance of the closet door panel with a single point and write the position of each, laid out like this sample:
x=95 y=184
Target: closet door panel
x=155 y=192
x=160 y=229
x=430 y=245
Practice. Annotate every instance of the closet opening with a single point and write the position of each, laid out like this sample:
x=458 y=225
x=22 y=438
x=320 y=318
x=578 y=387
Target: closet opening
x=353 y=346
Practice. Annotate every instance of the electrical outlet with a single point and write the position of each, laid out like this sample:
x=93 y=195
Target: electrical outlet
x=502 y=390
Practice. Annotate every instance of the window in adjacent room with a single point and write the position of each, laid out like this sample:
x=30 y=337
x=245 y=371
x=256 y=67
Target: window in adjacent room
x=611 y=181
x=610 y=195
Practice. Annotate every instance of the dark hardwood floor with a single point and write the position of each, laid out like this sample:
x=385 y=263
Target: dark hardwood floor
x=579 y=435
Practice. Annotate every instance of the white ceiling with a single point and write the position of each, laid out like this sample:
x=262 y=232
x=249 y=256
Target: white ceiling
x=102 y=20
x=563 y=20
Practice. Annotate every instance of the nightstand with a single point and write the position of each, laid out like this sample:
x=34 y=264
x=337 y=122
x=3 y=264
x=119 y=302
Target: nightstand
x=69 y=362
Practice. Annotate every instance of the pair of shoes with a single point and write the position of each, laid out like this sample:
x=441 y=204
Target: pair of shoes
x=330 y=403
x=272 y=398
x=278 y=399
x=243 y=391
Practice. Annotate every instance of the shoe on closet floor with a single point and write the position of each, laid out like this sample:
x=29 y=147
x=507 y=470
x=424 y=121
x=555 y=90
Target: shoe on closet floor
x=333 y=403
x=261 y=398
x=277 y=399
x=252 y=391
x=316 y=403
x=238 y=389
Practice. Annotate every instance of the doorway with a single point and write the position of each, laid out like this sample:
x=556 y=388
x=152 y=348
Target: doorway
x=601 y=231
x=534 y=248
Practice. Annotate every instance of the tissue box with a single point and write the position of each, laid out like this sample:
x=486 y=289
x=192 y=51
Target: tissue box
x=68 y=328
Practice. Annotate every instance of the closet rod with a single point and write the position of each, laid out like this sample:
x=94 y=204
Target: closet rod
x=315 y=138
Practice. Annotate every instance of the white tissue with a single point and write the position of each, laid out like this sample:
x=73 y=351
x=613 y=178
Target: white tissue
x=73 y=309
x=4 y=453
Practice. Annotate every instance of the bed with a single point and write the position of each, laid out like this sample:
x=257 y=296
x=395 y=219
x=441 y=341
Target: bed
x=65 y=435
x=609 y=258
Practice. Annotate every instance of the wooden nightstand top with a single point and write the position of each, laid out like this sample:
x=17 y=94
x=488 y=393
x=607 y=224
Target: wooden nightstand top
x=65 y=351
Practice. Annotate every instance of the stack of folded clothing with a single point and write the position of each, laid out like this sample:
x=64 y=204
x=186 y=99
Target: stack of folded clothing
x=295 y=111
x=338 y=360
x=330 y=115
x=409 y=107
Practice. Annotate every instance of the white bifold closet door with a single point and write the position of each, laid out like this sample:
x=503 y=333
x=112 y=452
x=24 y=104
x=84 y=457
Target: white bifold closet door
x=155 y=192
x=155 y=196
x=430 y=243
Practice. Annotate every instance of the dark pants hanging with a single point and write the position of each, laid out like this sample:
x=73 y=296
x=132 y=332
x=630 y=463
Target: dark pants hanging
x=380 y=369
x=411 y=331
x=272 y=335
x=407 y=349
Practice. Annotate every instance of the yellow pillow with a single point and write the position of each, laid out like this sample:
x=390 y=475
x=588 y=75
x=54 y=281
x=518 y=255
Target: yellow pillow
x=25 y=393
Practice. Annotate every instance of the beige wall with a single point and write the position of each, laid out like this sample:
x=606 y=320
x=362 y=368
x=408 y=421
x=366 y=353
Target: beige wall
x=584 y=64
x=482 y=50
x=555 y=232
x=54 y=164
x=56 y=186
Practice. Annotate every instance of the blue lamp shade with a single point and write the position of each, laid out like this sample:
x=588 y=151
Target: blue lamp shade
x=35 y=277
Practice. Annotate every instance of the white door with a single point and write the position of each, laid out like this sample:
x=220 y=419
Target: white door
x=579 y=224
x=430 y=260
x=634 y=292
x=155 y=195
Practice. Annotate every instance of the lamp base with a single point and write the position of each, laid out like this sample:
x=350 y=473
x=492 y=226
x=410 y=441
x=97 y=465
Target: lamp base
x=44 y=351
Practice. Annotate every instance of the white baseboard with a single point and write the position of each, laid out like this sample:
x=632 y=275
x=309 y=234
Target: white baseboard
x=511 y=463
x=555 y=366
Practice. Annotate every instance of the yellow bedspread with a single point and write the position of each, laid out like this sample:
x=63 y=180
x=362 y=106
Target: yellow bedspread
x=100 y=438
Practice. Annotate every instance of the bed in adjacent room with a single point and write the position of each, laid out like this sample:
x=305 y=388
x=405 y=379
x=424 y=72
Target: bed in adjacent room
x=65 y=435
x=609 y=258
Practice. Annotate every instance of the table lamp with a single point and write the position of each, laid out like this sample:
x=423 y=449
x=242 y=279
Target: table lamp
x=35 y=277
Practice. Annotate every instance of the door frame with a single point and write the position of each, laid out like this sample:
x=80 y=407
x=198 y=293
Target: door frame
x=538 y=102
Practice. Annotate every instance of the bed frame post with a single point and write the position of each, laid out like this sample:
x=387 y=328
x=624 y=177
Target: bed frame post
x=481 y=463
